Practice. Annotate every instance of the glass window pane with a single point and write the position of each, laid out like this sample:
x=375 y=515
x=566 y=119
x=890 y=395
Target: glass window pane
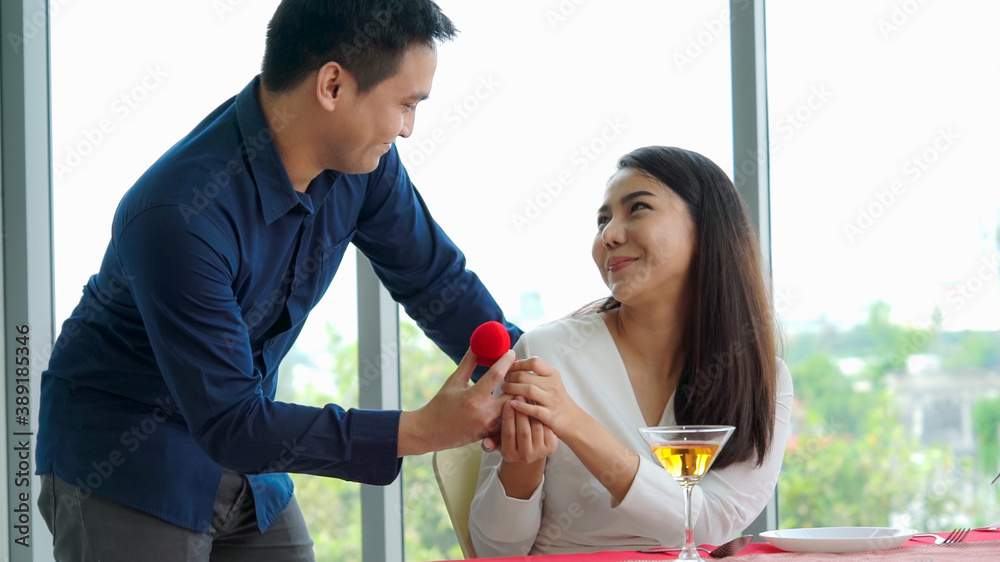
x=513 y=149
x=885 y=240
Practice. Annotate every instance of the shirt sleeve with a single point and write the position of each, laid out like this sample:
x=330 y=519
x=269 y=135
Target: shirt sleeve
x=724 y=503
x=183 y=291
x=498 y=524
x=419 y=264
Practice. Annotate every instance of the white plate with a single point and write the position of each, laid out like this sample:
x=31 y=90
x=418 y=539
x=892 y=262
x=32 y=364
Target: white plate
x=838 y=539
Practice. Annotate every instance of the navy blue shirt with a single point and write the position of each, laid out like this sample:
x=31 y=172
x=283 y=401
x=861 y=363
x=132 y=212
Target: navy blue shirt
x=166 y=371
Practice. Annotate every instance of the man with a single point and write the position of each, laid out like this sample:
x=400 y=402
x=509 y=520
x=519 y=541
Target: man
x=159 y=437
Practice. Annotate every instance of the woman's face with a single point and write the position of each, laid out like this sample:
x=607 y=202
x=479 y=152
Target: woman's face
x=645 y=239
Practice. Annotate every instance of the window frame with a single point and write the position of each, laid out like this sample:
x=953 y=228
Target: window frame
x=27 y=251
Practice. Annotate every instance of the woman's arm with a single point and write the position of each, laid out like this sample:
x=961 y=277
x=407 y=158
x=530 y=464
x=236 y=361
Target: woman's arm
x=506 y=511
x=724 y=503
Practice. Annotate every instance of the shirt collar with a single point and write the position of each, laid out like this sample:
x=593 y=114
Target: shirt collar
x=277 y=196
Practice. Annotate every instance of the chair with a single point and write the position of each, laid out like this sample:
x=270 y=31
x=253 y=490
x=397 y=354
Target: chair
x=457 y=471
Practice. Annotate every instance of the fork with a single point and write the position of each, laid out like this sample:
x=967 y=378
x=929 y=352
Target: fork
x=956 y=536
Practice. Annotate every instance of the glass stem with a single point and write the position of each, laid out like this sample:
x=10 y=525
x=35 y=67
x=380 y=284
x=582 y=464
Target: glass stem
x=688 y=552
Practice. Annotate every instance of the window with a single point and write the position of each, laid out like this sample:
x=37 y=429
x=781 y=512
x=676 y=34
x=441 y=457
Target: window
x=884 y=243
x=511 y=151
x=884 y=218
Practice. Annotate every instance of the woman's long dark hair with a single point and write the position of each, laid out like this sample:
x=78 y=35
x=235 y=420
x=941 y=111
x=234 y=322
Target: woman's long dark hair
x=730 y=367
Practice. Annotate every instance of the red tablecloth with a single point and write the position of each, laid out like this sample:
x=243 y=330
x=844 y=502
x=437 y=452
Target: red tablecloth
x=978 y=546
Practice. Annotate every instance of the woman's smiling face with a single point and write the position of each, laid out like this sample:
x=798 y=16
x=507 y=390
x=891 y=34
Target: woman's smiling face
x=645 y=238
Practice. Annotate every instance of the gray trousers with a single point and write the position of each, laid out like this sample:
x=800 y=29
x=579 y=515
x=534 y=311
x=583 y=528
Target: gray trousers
x=96 y=529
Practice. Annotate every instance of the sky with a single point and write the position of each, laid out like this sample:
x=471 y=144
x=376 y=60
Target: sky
x=882 y=117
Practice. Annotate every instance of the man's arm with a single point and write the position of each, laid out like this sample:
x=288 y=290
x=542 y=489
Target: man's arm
x=181 y=275
x=419 y=265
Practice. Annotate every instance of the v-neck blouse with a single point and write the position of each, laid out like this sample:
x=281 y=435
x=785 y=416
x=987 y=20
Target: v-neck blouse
x=617 y=374
x=571 y=511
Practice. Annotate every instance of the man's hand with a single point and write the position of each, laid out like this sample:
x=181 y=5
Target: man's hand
x=491 y=442
x=459 y=413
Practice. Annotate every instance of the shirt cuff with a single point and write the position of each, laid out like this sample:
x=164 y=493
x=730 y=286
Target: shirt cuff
x=375 y=443
x=510 y=520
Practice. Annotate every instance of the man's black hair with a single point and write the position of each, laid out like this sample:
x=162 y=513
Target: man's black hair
x=367 y=37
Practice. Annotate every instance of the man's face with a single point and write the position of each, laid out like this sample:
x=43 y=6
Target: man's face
x=363 y=127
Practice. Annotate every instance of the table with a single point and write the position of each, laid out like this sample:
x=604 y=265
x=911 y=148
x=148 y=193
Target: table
x=978 y=546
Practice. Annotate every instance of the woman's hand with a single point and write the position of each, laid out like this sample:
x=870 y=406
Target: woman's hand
x=525 y=445
x=545 y=395
x=524 y=439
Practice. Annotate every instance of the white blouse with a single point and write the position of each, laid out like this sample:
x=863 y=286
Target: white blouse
x=571 y=511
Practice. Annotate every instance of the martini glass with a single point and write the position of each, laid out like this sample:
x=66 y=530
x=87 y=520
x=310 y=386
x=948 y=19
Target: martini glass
x=687 y=452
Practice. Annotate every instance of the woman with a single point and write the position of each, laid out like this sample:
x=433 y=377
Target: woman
x=687 y=337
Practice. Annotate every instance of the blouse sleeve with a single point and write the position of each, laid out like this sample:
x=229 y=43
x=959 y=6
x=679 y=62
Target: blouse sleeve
x=500 y=525
x=724 y=503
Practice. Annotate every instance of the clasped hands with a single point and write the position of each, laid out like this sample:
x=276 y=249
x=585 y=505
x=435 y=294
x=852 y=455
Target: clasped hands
x=537 y=410
x=524 y=422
